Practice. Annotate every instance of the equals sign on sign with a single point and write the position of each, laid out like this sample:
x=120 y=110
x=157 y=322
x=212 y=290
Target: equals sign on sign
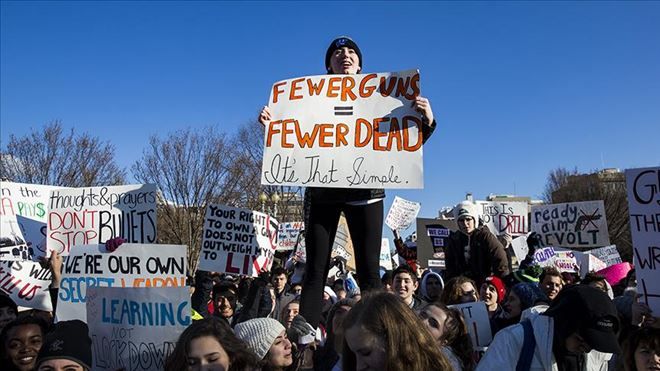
x=344 y=111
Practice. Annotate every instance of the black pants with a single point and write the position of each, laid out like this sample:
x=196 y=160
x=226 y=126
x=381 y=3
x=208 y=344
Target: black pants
x=365 y=224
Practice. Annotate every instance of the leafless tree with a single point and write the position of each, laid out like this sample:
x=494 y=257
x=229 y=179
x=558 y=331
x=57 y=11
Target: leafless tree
x=556 y=180
x=52 y=156
x=195 y=167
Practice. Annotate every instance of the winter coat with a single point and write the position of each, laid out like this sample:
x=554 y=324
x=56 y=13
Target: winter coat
x=487 y=256
x=504 y=351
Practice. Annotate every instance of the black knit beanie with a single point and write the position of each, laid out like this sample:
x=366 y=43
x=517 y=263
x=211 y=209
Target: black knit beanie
x=340 y=42
x=68 y=340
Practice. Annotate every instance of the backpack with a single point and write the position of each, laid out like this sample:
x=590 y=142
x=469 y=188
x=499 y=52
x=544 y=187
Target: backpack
x=529 y=344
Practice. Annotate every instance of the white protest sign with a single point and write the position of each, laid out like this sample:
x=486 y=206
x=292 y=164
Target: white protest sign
x=300 y=249
x=237 y=241
x=90 y=215
x=347 y=131
x=402 y=213
x=544 y=256
x=505 y=217
x=23 y=215
x=520 y=248
x=608 y=255
x=565 y=261
x=574 y=224
x=26 y=282
x=478 y=324
x=588 y=263
x=288 y=235
x=644 y=205
x=131 y=265
x=136 y=328
x=385 y=257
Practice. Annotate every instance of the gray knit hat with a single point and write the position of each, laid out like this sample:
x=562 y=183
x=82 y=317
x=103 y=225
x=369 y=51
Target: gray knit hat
x=259 y=334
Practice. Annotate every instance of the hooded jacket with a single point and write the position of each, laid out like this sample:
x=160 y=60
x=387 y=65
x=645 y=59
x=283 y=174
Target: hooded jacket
x=504 y=350
x=423 y=289
x=487 y=256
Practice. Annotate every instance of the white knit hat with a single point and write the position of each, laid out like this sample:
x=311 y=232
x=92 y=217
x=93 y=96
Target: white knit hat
x=259 y=334
x=467 y=208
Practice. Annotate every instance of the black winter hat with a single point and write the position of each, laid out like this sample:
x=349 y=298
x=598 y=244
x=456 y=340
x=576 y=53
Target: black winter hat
x=340 y=42
x=68 y=340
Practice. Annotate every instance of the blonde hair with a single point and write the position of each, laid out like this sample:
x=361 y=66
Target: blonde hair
x=408 y=344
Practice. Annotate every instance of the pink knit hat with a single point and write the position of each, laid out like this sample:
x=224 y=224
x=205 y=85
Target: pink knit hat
x=615 y=273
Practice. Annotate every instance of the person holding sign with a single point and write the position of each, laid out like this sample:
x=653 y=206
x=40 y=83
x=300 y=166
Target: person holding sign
x=363 y=208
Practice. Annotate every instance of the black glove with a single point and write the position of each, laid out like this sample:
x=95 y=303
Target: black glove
x=300 y=331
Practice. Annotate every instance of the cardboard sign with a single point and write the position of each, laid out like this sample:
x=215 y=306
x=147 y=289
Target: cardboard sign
x=288 y=235
x=91 y=215
x=644 y=204
x=137 y=328
x=131 y=265
x=574 y=224
x=26 y=283
x=385 y=255
x=237 y=241
x=505 y=217
x=402 y=213
x=476 y=318
x=23 y=215
x=346 y=131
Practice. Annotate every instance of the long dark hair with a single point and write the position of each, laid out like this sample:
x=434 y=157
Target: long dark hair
x=237 y=350
x=648 y=336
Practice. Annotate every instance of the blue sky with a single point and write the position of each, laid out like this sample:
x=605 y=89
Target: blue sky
x=518 y=88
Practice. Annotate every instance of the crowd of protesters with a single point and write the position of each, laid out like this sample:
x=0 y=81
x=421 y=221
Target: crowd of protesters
x=541 y=319
x=295 y=318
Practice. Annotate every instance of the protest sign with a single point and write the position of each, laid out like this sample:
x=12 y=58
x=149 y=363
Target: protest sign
x=432 y=239
x=574 y=224
x=343 y=244
x=136 y=328
x=402 y=213
x=478 y=324
x=347 y=131
x=385 y=255
x=520 y=248
x=565 y=261
x=544 y=256
x=588 y=263
x=90 y=215
x=237 y=241
x=23 y=213
x=505 y=217
x=608 y=255
x=131 y=265
x=300 y=250
x=644 y=206
x=26 y=282
x=287 y=235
